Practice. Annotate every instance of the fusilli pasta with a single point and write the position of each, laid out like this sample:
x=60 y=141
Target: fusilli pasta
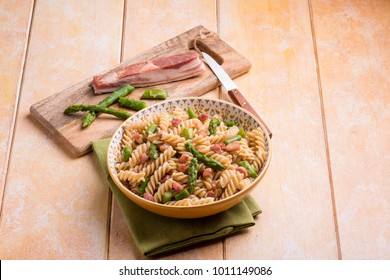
x=168 y=171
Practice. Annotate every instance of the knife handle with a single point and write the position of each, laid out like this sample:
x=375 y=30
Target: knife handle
x=239 y=99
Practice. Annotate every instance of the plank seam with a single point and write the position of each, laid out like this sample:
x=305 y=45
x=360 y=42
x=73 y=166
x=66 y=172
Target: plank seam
x=110 y=202
x=329 y=164
x=16 y=104
x=110 y=196
x=218 y=23
x=123 y=30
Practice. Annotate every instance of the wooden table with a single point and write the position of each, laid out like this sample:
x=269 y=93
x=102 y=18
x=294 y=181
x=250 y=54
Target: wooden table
x=320 y=78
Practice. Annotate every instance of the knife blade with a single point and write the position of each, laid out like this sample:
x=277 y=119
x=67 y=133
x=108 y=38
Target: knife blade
x=232 y=89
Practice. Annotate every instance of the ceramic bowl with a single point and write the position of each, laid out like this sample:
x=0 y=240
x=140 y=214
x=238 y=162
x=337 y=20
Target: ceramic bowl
x=227 y=111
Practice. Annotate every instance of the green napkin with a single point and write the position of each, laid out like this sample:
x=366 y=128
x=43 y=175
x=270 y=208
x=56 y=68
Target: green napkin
x=154 y=234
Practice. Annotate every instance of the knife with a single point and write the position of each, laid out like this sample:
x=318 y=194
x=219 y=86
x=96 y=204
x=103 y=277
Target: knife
x=232 y=89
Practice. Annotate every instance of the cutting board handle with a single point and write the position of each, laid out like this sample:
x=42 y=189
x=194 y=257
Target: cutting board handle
x=240 y=100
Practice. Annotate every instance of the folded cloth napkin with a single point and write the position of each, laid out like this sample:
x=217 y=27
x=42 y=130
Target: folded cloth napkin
x=154 y=234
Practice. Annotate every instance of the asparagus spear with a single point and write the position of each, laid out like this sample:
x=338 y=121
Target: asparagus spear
x=230 y=123
x=188 y=133
x=153 y=152
x=192 y=174
x=249 y=168
x=91 y=116
x=210 y=162
x=191 y=113
x=88 y=119
x=96 y=108
x=241 y=132
x=167 y=196
x=142 y=186
x=126 y=154
x=182 y=194
x=132 y=103
x=214 y=123
x=152 y=128
x=234 y=138
x=155 y=94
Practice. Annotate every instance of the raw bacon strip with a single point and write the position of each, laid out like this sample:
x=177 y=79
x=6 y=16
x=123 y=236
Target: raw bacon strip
x=157 y=71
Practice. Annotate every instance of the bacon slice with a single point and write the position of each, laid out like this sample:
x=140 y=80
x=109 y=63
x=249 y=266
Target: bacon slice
x=176 y=122
x=208 y=172
x=243 y=171
x=234 y=146
x=157 y=71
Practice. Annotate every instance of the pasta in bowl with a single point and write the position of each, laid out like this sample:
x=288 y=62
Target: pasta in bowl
x=190 y=157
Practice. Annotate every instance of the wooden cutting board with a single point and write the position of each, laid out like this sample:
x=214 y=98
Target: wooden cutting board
x=67 y=128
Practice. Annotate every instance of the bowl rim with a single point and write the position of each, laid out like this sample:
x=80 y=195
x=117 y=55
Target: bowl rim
x=139 y=200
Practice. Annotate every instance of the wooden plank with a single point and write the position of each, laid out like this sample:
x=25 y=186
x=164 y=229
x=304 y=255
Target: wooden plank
x=122 y=246
x=354 y=59
x=138 y=23
x=55 y=206
x=297 y=219
x=67 y=128
x=14 y=28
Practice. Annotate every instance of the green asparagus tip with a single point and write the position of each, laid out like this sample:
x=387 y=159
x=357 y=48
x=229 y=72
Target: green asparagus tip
x=88 y=119
x=72 y=109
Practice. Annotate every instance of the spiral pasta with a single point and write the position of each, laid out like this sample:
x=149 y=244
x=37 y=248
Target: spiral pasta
x=258 y=162
x=131 y=176
x=191 y=123
x=164 y=187
x=151 y=166
x=160 y=160
x=217 y=138
x=232 y=187
x=244 y=153
x=225 y=178
x=172 y=139
x=180 y=177
x=127 y=139
x=231 y=132
x=164 y=122
x=257 y=138
x=136 y=125
x=135 y=157
x=200 y=192
x=157 y=176
x=154 y=138
x=180 y=113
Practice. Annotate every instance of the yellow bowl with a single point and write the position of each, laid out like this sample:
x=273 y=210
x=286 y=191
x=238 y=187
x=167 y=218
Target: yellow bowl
x=227 y=111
